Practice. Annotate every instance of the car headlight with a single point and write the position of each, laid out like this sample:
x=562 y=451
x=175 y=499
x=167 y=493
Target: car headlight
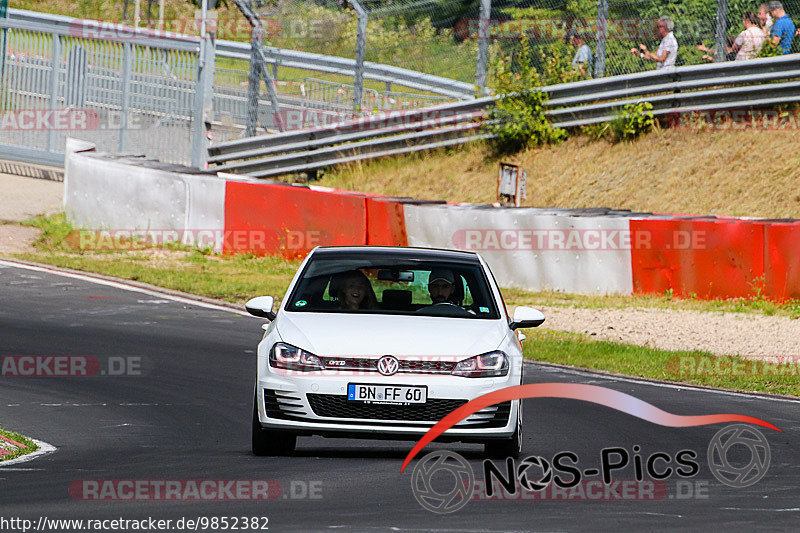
x=291 y=357
x=488 y=365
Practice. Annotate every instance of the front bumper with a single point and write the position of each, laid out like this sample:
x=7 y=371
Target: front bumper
x=318 y=405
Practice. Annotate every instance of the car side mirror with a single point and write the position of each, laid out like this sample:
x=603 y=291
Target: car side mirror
x=261 y=306
x=526 y=317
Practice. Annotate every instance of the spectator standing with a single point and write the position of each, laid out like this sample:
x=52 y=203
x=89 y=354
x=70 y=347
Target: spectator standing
x=583 y=56
x=730 y=54
x=667 y=50
x=764 y=19
x=783 y=28
x=748 y=44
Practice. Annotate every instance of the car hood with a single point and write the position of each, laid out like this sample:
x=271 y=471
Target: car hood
x=333 y=334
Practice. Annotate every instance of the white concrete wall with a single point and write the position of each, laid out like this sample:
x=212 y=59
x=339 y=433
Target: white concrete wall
x=532 y=248
x=117 y=195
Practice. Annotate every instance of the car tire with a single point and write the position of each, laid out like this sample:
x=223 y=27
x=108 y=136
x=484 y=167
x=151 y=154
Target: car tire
x=510 y=447
x=267 y=442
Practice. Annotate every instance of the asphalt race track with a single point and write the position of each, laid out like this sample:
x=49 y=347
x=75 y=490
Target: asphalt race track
x=181 y=411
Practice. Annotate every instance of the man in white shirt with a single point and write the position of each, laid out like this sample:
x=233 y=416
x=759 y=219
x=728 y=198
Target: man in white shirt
x=583 y=57
x=668 y=49
x=748 y=44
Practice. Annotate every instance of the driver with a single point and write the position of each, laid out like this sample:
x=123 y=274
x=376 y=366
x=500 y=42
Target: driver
x=441 y=286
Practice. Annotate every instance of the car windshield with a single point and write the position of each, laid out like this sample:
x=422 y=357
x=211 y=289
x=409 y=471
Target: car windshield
x=393 y=287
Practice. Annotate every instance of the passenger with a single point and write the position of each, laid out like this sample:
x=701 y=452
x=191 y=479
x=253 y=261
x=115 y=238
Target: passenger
x=354 y=291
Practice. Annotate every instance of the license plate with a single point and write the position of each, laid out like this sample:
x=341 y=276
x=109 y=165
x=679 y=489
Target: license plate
x=397 y=394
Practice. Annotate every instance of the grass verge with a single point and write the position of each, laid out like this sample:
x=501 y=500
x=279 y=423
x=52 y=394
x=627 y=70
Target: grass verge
x=683 y=170
x=30 y=446
x=236 y=278
x=692 y=367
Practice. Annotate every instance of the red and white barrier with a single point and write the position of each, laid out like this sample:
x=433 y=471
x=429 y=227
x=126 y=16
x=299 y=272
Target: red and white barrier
x=782 y=260
x=530 y=248
x=707 y=257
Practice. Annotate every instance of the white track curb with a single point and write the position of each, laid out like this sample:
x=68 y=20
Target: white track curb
x=44 y=449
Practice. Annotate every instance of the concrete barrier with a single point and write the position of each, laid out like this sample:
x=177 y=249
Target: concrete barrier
x=102 y=193
x=532 y=248
x=590 y=251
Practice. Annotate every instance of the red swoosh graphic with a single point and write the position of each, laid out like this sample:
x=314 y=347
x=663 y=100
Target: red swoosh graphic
x=574 y=391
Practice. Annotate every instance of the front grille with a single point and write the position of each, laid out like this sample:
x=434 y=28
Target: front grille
x=288 y=406
x=427 y=367
x=431 y=366
x=349 y=363
x=494 y=416
x=283 y=405
x=328 y=405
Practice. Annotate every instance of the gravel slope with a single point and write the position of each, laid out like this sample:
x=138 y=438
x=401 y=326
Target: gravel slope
x=745 y=334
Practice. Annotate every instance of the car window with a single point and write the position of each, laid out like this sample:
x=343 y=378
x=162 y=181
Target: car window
x=335 y=285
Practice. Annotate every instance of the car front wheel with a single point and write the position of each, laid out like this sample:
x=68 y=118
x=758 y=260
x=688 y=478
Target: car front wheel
x=270 y=442
x=510 y=447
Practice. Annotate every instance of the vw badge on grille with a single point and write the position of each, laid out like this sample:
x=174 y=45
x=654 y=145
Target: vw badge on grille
x=388 y=365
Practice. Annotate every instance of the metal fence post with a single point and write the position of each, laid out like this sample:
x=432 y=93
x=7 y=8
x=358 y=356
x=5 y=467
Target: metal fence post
x=126 y=95
x=271 y=92
x=602 y=34
x=204 y=92
x=56 y=51
x=483 y=45
x=721 y=30
x=254 y=79
x=361 y=52
x=4 y=15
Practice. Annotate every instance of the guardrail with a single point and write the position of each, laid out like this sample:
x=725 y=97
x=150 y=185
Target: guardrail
x=370 y=136
x=736 y=84
x=746 y=84
x=132 y=92
x=141 y=87
x=274 y=56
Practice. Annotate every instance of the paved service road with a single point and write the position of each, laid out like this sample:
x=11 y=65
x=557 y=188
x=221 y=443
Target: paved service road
x=25 y=197
x=187 y=417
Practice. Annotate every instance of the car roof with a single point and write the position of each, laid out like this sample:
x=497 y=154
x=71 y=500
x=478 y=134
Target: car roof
x=397 y=252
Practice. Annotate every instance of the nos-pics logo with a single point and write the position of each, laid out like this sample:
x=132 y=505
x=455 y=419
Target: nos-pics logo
x=444 y=481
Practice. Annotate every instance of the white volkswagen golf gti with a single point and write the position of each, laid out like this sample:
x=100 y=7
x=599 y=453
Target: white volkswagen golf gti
x=382 y=342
